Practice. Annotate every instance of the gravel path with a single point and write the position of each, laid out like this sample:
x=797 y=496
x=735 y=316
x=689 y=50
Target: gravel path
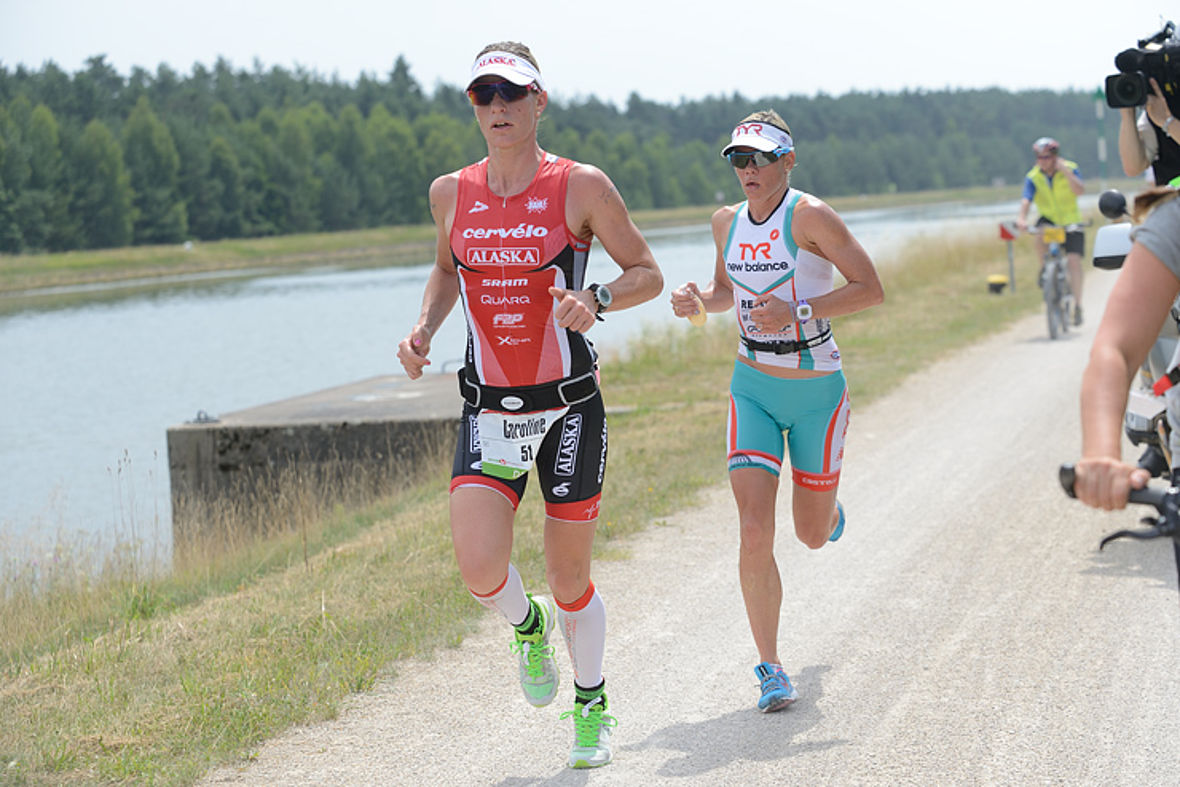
x=964 y=631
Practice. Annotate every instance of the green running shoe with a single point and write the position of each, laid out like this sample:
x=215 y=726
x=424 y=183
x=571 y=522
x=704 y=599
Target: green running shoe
x=538 y=669
x=592 y=726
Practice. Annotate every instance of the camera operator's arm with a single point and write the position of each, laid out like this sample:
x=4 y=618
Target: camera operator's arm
x=1137 y=305
x=1132 y=151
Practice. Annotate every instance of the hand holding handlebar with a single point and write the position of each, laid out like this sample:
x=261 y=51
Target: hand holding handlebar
x=1165 y=501
x=1133 y=484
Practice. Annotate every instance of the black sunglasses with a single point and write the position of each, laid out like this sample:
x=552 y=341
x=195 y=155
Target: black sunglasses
x=760 y=159
x=482 y=93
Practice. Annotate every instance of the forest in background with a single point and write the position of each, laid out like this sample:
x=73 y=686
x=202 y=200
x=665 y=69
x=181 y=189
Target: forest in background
x=96 y=159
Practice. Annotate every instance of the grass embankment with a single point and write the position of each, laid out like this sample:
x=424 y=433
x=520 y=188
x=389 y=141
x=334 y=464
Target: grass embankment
x=400 y=245
x=156 y=678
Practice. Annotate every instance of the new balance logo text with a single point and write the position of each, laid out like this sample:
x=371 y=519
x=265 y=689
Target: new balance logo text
x=755 y=267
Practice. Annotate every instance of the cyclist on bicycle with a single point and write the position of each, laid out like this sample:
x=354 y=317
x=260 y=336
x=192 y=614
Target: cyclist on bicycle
x=1056 y=199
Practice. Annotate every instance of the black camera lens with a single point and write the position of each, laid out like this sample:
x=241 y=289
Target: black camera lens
x=1126 y=90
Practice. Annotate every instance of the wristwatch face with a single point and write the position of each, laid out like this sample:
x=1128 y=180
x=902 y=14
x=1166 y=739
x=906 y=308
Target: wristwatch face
x=602 y=296
x=803 y=312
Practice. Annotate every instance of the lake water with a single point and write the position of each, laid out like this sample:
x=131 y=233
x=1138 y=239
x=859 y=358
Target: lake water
x=87 y=391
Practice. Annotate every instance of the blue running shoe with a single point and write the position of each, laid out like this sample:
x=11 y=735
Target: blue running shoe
x=839 y=531
x=777 y=691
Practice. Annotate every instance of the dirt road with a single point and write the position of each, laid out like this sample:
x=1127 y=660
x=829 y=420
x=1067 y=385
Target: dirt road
x=964 y=631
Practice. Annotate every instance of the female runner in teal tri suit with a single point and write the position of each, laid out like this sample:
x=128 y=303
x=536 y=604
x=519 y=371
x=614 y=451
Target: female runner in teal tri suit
x=777 y=253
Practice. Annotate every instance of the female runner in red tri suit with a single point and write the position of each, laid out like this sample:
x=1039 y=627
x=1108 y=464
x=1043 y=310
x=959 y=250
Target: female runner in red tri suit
x=514 y=233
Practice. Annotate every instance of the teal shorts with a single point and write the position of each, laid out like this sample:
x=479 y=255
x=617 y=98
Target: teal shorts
x=812 y=411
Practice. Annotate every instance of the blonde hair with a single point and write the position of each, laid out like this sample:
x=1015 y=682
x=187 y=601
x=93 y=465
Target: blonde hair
x=512 y=48
x=768 y=116
x=1147 y=200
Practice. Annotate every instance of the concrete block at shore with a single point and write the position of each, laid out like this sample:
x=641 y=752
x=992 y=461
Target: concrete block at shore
x=345 y=443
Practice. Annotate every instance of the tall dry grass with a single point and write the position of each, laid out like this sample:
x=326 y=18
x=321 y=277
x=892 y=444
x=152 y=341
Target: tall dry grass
x=266 y=521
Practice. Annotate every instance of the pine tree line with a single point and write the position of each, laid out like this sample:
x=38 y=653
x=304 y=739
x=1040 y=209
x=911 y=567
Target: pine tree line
x=95 y=159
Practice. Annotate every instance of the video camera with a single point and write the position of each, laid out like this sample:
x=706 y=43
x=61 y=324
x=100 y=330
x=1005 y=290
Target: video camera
x=1157 y=56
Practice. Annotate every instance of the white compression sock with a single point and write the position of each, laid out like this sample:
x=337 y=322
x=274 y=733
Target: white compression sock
x=583 y=625
x=509 y=599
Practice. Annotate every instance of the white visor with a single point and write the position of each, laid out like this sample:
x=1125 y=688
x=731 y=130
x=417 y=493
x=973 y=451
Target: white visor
x=512 y=67
x=760 y=136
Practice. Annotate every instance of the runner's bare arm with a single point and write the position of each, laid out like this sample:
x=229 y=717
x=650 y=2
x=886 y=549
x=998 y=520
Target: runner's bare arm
x=595 y=209
x=717 y=295
x=442 y=288
x=820 y=230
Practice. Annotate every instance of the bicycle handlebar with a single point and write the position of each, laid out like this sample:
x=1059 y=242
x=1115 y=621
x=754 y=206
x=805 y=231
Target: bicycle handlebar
x=1148 y=496
x=1164 y=501
x=1040 y=230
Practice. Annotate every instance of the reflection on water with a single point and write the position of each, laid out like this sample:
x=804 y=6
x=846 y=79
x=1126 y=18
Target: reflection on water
x=88 y=388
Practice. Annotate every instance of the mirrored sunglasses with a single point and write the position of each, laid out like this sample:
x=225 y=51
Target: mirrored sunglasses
x=482 y=93
x=760 y=159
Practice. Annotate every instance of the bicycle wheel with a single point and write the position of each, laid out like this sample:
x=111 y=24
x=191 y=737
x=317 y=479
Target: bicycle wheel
x=1065 y=298
x=1052 y=307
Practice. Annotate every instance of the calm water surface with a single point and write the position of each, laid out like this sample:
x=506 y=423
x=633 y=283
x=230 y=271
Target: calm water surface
x=88 y=391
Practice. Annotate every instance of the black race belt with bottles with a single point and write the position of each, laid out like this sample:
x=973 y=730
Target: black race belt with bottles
x=784 y=347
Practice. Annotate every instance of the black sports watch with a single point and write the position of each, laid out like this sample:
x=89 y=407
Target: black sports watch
x=602 y=297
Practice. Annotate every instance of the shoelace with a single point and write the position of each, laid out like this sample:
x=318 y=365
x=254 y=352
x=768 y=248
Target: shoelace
x=773 y=681
x=588 y=721
x=534 y=654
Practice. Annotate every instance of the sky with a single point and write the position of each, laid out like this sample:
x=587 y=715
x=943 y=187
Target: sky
x=662 y=50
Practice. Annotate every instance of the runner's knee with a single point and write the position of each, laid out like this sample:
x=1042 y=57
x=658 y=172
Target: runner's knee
x=757 y=535
x=813 y=532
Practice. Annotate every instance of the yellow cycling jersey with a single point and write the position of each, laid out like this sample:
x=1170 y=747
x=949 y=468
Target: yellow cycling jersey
x=1054 y=198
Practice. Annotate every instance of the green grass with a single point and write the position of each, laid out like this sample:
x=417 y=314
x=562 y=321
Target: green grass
x=143 y=676
x=398 y=245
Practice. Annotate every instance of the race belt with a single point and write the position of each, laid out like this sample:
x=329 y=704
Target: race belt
x=529 y=398
x=785 y=347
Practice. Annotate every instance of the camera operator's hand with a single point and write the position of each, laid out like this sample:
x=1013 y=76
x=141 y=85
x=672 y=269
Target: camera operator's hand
x=1157 y=105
